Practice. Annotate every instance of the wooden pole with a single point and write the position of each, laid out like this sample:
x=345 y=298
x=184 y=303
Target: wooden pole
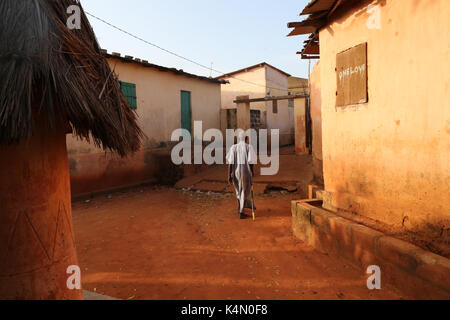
x=243 y=113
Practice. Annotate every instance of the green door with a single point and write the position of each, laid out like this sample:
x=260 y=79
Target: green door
x=186 y=114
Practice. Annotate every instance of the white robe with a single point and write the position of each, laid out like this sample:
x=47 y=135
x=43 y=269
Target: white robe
x=240 y=157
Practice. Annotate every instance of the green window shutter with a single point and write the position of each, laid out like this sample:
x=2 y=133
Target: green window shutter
x=129 y=91
x=186 y=111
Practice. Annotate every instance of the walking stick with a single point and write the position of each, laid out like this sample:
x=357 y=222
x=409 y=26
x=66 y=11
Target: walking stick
x=253 y=205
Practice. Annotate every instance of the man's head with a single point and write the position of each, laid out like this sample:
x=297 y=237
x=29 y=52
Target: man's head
x=241 y=137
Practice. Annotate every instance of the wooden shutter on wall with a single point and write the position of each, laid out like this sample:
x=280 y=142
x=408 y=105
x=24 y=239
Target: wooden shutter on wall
x=351 y=74
x=186 y=111
x=275 y=106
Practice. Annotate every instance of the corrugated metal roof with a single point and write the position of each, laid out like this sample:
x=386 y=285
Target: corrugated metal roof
x=308 y=25
x=312 y=49
x=302 y=30
x=319 y=11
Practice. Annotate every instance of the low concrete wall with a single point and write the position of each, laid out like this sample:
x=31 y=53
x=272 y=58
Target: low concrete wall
x=416 y=272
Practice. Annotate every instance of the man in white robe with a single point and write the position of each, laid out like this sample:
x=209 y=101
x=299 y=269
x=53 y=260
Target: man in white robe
x=241 y=159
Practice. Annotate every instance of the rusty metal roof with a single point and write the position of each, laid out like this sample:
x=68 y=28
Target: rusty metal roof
x=318 y=5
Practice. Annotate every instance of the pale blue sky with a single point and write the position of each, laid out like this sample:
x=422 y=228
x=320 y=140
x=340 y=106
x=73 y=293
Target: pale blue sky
x=232 y=34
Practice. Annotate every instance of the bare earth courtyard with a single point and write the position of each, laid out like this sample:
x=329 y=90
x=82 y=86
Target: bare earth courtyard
x=162 y=243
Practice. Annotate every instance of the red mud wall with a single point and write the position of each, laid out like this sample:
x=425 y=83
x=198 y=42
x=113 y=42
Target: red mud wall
x=102 y=171
x=388 y=159
x=36 y=234
x=98 y=172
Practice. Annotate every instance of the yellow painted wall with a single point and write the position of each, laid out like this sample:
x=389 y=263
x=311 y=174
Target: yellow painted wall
x=388 y=159
x=158 y=99
x=237 y=88
x=159 y=114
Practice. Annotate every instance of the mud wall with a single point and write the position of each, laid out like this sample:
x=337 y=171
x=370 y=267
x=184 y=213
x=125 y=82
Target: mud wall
x=316 y=116
x=388 y=159
x=159 y=114
x=37 y=242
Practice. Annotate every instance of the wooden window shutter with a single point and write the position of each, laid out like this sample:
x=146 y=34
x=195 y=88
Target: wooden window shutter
x=275 y=106
x=352 y=76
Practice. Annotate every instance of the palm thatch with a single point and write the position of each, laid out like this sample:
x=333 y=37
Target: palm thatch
x=42 y=60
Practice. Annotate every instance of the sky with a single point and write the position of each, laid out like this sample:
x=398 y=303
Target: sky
x=230 y=34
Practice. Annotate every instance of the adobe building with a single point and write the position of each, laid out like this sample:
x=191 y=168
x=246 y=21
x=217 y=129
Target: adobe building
x=382 y=86
x=258 y=81
x=165 y=99
x=54 y=80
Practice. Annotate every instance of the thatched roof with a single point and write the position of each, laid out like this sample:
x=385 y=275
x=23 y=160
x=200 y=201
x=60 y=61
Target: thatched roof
x=42 y=60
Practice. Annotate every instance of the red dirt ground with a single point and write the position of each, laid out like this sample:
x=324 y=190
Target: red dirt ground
x=158 y=243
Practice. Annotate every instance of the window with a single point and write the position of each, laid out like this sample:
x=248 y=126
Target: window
x=291 y=103
x=129 y=91
x=275 y=106
x=255 y=119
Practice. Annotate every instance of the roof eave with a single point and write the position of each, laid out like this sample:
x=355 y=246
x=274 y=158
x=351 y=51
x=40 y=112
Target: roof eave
x=259 y=65
x=319 y=12
x=146 y=64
